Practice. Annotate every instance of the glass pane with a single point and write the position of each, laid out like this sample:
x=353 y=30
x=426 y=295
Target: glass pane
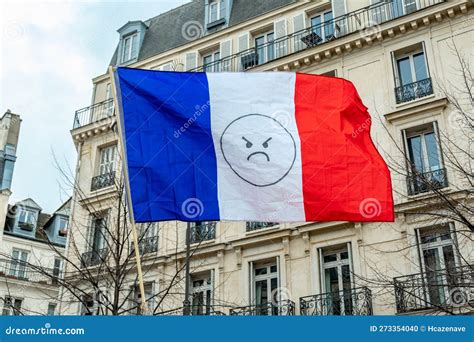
x=333 y=302
x=259 y=271
x=270 y=47
x=449 y=262
x=420 y=67
x=397 y=8
x=261 y=297
x=316 y=26
x=328 y=25
x=260 y=49
x=330 y=257
x=431 y=258
x=344 y=255
x=432 y=151
x=347 y=289
x=434 y=279
x=404 y=71
x=416 y=153
x=273 y=269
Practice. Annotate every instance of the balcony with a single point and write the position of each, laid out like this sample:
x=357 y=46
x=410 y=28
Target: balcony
x=361 y=20
x=94 y=113
x=202 y=231
x=18 y=270
x=424 y=182
x=103 y=181
x=350 y=302
x=94 y=257
x=252 y=226
x=413 y=91
x=284 y=308
x=194 y=311
x=146 y=245
x=434 y=289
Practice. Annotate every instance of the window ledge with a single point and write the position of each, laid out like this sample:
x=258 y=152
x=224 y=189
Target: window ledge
x=262 y=230
x=215 y=23
x=418 y=106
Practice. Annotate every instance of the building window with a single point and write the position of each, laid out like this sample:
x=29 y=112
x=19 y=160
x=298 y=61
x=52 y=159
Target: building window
x=332 y=73
x=202 y=231
x=436 y=246
x=217 y=10
x=27 y=219
x=425 y=169
x=211 y=62
x=337 y=280
x=89 y=306
x=106 y=170
x=63 y=224
x=129 y=47
x=201 y=292
x=412 y=78
x=12 y=306
x=51 y=309
x=97 y=244
x=135 y=303
x=18 y=268
x=322 y=25
x=265 y=48
x=57 y=270
x=265 y=285
x=251 y=226
x=147 y=237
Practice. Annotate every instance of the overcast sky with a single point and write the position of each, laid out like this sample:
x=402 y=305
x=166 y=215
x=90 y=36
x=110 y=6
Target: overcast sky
x=50 y=51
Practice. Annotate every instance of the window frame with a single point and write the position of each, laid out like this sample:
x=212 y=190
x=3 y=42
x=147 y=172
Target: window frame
x=110 y=165
x=275 y=261
x=207 y=289
x=213 y=65
x=267 y=46
x=126 y=56
x=18 y=266
x=29 y=214
x=323 y=25
x=9 y=306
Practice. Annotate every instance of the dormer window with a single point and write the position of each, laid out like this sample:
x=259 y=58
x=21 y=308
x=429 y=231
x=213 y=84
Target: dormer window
x=27 y=219
x=130 y=47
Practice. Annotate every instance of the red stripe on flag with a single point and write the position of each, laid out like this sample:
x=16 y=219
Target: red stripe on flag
x=344 y=176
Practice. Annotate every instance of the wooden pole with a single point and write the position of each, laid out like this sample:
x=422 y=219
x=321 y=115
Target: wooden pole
x=143 y=305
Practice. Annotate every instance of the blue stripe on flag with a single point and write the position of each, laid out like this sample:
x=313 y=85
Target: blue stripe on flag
x=170 y=152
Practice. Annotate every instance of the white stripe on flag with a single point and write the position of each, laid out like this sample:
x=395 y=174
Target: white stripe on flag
x=257 y=146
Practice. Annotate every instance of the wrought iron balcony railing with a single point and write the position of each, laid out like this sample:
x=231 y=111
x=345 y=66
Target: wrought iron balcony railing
x=350 y=302
x=284 y=308
x=413 y=91
x=423 y=182
x=434 y=289
x=202 y=231
x=364 y=21
x=94 y=113
x=20 y=270
x=146 y=245
x=251 y=226
x=103 y=181
x=94 y=257
x=195 y=310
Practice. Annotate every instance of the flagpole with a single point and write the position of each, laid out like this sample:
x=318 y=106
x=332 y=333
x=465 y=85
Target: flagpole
x=141 y=286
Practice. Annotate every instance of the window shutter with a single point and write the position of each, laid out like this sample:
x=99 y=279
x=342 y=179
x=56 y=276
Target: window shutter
x=279 y=29
x=244 y=42
x=226 y=51
x=191 y=60
x=298 y=25
x=339 y=9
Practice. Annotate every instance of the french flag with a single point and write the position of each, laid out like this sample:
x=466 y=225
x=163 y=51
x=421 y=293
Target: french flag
x=269 y=147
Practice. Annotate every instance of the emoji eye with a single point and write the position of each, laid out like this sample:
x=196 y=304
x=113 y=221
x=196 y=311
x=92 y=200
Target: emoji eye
x=248 y=143
x=265 y=143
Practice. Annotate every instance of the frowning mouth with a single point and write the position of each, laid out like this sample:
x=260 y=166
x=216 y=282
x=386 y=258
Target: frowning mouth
x=258 y=152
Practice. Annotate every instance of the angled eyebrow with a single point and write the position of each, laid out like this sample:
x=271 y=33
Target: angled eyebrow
x=249 y=142
x=267 y=140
